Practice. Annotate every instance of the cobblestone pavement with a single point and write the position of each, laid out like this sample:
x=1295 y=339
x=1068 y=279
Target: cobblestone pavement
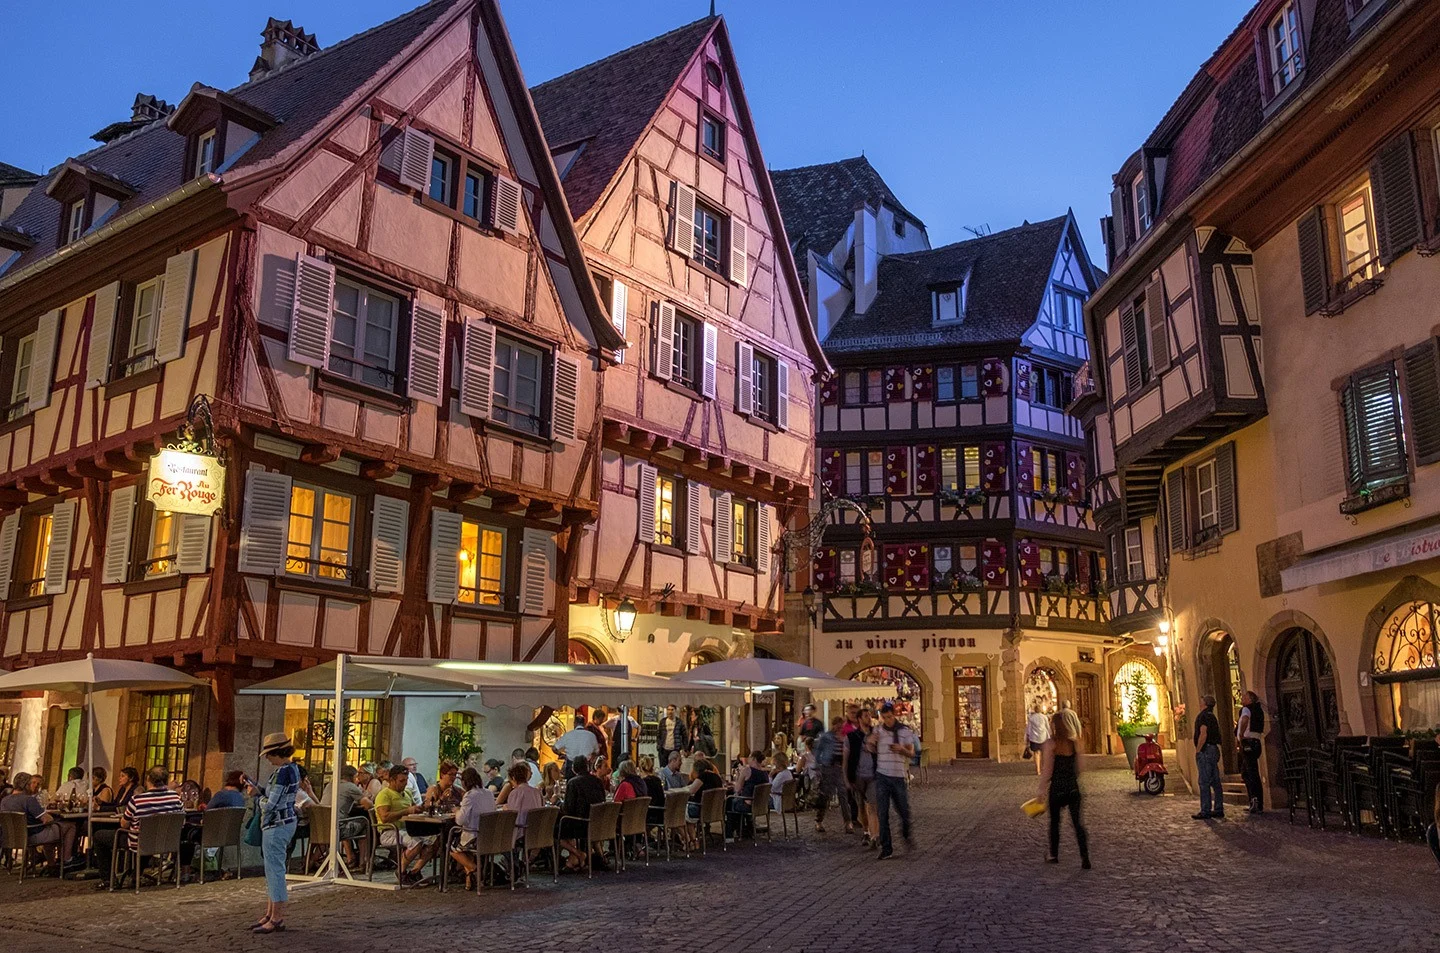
x=976 y=881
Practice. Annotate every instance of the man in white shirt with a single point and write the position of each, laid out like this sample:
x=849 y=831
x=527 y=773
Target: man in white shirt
x=1037 y=732
x=578 y=742
x=520 y=755
x=415 y=780
x=893 y=743
x=74 y=786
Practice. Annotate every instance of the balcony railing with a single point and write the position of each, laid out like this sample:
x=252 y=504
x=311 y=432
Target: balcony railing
x=882 y=605
x=947 y=506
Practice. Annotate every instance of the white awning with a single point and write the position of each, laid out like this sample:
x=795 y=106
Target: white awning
x=1358 y=559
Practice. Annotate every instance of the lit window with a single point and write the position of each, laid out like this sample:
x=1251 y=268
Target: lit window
x=482 y=562
x=442 y=179
x=666 y=498
x=1206 y=495
x=1046 y=470
x=75 y=224
x=972 y=467
x=960 y=468
x=949 y=468
x=707 y=237
x=518 y=380
x=1142 y=202
x=1357 y=238
x=205 y=153
x=20 y=383
x=743 y=538
x=712 y=137
x=34 y=554
x=320 y=534
x=164 y=544
x=144 y=315
x=1134 y=554
x=363 y=335
x=1284 y=38
x=158 y=733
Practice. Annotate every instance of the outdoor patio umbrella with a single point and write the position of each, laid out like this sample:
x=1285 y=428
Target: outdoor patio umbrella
x=764 y=673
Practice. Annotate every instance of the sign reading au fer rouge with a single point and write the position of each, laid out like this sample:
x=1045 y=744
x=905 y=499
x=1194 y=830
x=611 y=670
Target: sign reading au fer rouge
x=183 y=482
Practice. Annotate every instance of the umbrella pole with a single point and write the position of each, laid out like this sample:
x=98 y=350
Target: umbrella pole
x=90 y=776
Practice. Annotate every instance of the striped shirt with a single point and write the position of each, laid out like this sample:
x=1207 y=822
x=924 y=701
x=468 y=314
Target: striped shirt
x=146 y=803
x=892 y=764
x=278 y=806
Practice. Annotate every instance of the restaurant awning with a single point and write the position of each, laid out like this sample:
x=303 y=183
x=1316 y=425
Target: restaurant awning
x=768 y=674
x=1356 y=559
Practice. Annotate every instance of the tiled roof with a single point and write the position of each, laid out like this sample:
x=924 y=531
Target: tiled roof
x=14 y=175
x=1009 y=274
x=609 y=103
x=299 y=96
x=818 y=201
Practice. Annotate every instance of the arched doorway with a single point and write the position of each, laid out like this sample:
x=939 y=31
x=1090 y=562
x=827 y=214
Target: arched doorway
x=1040 y=688
x=580 y=652
x=1220 y=676
x=909 y=696
x=1137 y=693
x=1406 y=668
x=1305 y=692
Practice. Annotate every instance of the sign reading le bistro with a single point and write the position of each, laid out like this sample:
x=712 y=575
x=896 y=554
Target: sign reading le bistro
x=183 y=482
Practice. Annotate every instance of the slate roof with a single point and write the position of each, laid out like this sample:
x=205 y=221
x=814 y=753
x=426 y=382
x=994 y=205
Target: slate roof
x=14 y=175
x=818 y=201
x=1009 y=275
x=608 y=104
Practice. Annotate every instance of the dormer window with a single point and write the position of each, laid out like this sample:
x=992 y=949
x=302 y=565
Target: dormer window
x=75 y=221
x=1141 y=192
x=1283 y=43
x=205 y=153
x=949 y=303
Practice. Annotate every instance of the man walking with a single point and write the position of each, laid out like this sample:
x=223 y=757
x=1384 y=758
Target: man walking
x=809 y=727
x=1037 y=732
x=1248 y=732
x=828 y=765
x=1207 y=761
x=894 y=745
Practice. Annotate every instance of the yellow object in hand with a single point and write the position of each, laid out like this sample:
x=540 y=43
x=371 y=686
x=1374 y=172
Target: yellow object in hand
x=1033 y=807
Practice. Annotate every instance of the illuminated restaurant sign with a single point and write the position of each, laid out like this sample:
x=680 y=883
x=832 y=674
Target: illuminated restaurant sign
x=181 y=482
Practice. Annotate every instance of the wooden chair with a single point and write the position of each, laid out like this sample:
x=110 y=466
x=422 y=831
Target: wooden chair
x=318 y=816
x=15 y=835
x=634 y=822
x=540 y=835
x=789 y=805
x=159 y=837
x=760 y=807
x=602 y=827
x=220 y=828
x=712 y=812
x=675 y=819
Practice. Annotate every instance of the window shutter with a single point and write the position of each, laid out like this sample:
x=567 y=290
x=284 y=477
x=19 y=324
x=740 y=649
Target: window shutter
x=1422 y=391
x=1175 y=511
x=417 y=154
x=42 y=364
x=62 y=536
x=1075 y=476
x=1130 y=337
x=389 y=533
x=425 y=379
x=782 y=395
x=535 y=559
x=724 y=534
x=1117 y=224
x=102 y=335
x=682 y=219
x=645 y=496
x=565 y=396
x=1354 y=444
x=1226 y=504
x=739 y=252
x=710 y=361
x=505 y=205
x=1314 y=260
x=1155 y=315
x=9 y=533
x=1397 y=198
x=477 y=377
x=927 y=469
x=744 y=377
x=444 y=577
x=694 y=492
x=1378 y=405
x=897 y=471
x=265 y=524
x=174 y=322
x=119 y=528
x=664 y=364
x=312 y=311
x=192 y=555
x=762 y=539
x=619 y=312
x=1024 y=467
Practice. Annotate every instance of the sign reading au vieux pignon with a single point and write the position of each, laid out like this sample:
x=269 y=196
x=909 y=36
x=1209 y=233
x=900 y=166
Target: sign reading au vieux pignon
x=183 y=482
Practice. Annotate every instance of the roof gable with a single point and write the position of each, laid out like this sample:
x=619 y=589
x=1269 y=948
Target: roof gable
x=819 y=201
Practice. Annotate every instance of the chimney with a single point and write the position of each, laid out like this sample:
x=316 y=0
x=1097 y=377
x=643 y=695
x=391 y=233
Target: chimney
x=866 y=278
x=282 y=42
x=145 y=110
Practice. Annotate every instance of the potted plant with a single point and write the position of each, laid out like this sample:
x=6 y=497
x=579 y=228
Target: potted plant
x=1136 y=723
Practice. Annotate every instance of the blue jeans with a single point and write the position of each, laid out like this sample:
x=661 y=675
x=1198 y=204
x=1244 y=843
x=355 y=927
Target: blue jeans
x=275 y=846
x=889 y=789
x=1212 y=800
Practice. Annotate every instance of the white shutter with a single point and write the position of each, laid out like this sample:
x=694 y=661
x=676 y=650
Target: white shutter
x=682 y=219
x=119 y=529
x=102 y=334
x=694 y=493
x=426 y=378
x=477 y=372
x=762 y=539
x=175 y=296
x=744 y=377
x=782 y=395
x=619 y=312
x=42 y=361
x=417 y=153
x=711 y=358
x=505 y=202
x=312 y=311
x=536 y=555
x=724 y=534
x=565 y=396
x=739 y=252
x=265 y=524
x=645 y=494
x=192 y=555
x=9 y=532
x=665 y=341
x=389 y=531
x=444 y=578
x=62 y=536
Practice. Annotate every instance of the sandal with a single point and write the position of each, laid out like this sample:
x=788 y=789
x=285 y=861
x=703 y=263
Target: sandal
x=271 y=926
x=260 y=922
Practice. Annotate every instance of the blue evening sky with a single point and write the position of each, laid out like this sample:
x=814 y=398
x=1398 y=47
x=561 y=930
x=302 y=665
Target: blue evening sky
x=977 y=113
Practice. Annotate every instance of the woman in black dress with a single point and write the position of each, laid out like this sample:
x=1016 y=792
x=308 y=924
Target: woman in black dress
x=1060 y=782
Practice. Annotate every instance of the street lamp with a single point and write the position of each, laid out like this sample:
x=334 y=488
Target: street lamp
x=808 y=597
x=625 y=614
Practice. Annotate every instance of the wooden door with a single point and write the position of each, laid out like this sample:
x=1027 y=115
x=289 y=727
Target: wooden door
x=1086 y=700
x=972 y=739
x=1305 y=692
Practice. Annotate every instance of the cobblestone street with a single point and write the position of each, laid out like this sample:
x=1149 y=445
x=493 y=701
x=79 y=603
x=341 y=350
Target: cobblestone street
x=1161 y=882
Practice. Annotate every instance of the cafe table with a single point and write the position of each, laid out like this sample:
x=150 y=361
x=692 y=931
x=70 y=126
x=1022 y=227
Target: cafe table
x=432 y=825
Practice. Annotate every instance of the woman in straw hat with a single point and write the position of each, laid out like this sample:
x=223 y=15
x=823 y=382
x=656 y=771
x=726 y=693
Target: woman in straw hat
x=277 y=825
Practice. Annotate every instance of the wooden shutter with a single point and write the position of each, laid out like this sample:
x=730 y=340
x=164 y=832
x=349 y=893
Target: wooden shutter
x=739 y=252
x=119 y=529
x=1396 y=188
x=927 y=468
x=782 y=395
x=565 y=399
x=823 y=568
x=443 y=581
x=682 y=219
x=710 y=361
x=1314 y=260
x=1117 y=222
x=1075 y=476
x=312 y=311
x=1131 y=339
x=724 y=534
x=192 y=553
x=477 y=375
x=1175 y=512
x=1155 y=316
x=762 y=538
x=694 y=493
x=1354 y=442
x=1422 y=393
x=744 y=377
x=9 y=533
x=897 y=471
x=832 y=473
x=425 y=378
x=1027 y=561
x=994 y=466
x=1083 y=573
x=62 y=538
x=1376 y=414
x=645 y=502
x=664 y=363
x=505 y=205
x=417 y=155
x=619 y=312
x=994 y=567
x=1025 y=467
x=535 y=560
x=1226 y=504
x=389 y=534
x=102 y=335
x=265 y=524
x=175 y=296
x=42 y=361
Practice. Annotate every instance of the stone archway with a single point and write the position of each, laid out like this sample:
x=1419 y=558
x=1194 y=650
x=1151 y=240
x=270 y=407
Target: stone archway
x=929 y=700
x=583 y=651
x=1217 y=665
x=1267 y=668
x=1064 y=687
x=1373 y=695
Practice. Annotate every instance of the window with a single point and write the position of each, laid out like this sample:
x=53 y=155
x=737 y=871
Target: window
x=476 y=189
x=875 y=471
x=164 y=545
x=34 y=553
x=321 y=531
x=204 y=153
x=1056 y=561
x=969 y=382
x=519 y=379
x=707 y=237
x=311 y=723
x=712 y=137
x=945 y=386
x=874 y=387
x=19 y=403
x=949 y=304
x=139 y=354
x=667 y=502
x=854 y=474
x=848 y=559
x=743 y=524
x=1207 y=495
x=363 y=336
x=9 y=731
x=482 y=564
x=75 y=221
x=159 y=732
x=1374 y=444
x=687 y=352
x=898 y=223
x=442 y=178
x=1047 y=467
x=944 y=383
x=850 y=382
x=960 y=468
x=1069 y=310
x=1141 y=195
x=1358 y=259
x=713 y=75
x=1139 y=370
x=1050 y=386
x=1283 y=37
x=1134 y=554
x=763 y=378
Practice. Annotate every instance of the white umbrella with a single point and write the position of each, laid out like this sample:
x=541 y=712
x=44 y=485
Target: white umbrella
x=764 y=672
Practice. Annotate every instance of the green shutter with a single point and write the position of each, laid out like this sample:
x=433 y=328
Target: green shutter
x=1372 y=427
x=1132 y=349
x=1422 y=394
x=1226 y=505
x=1397 y=198
x=1314 y=260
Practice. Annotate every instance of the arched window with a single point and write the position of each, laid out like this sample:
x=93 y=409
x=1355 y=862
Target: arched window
x=699 y=659
x=1137 y=693
x=1040 y=687
x=1407 y=657
x=908 y=694
x=581 y=653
